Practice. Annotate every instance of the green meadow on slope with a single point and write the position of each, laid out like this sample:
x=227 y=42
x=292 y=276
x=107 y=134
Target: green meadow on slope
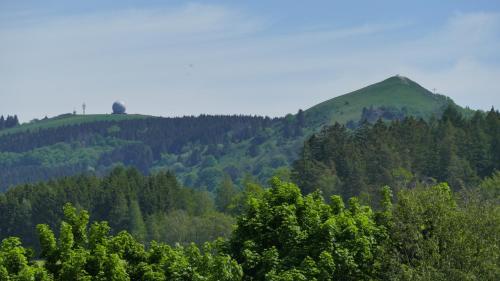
x=200 y=150
x=70 y=119
x=396 y=92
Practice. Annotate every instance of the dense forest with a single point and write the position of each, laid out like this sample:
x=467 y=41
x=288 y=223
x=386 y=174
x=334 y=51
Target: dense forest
x=151 y=207
x=8 y=122
x=199 y=149
x=164 y=134
x=403 y=154
x=427 y=234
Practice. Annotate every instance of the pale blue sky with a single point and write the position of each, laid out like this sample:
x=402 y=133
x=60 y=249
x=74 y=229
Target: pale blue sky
x=173 y=58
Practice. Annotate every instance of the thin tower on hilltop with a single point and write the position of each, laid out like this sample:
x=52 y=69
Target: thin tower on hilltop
x=83 y=108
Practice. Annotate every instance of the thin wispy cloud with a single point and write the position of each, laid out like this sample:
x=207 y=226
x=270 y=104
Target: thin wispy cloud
x=213 y=59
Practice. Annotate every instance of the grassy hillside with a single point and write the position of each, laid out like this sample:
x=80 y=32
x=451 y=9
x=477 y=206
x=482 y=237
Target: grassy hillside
x=395 y=92
x=68 y=120
x=200 y=150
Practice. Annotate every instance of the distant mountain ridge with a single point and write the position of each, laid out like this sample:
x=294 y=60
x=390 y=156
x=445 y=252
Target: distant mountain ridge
x=200 y=150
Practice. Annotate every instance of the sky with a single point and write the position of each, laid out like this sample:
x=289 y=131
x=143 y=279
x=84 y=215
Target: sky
x=174 y=58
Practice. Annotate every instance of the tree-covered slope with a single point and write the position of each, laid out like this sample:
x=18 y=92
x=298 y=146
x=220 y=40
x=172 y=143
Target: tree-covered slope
x=200 y=150
x=404 y=153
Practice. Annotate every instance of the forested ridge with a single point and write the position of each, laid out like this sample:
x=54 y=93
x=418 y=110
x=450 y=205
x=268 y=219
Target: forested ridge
x=202 y=149
x=163 y=134
x=184 y=144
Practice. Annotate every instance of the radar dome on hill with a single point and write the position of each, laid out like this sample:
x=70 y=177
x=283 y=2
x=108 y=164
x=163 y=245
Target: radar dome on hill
x=119 y=107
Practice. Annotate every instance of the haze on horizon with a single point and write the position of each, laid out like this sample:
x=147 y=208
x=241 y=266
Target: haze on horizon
x=223 y=57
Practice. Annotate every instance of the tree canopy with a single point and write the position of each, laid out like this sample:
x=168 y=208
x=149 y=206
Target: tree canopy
x=427 y=234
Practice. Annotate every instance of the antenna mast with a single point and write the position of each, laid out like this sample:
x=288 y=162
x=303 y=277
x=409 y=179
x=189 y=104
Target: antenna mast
x=83 y=108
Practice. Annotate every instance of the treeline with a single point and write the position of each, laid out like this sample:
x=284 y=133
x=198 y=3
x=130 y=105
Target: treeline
x=403 y=153
x=281 y=235
x=150 y=207
x=160 y=134
x=8 y=122
x=181 y=143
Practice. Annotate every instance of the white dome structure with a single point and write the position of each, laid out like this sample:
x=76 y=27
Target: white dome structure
x=119 y=107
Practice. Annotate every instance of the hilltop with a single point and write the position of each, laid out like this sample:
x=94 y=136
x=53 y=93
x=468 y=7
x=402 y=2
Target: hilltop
x=200 y=150
x=70 y=119
x=397 y=93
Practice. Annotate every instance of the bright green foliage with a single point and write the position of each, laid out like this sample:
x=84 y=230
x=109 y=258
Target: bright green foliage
x=83 y=254
x=181 y=227
x=490 y=187
x=137 y=225
x=286 y=236
x=78 y=223
x=282 y=235
x=251 y=190
x=434 y=238
x=15 y=265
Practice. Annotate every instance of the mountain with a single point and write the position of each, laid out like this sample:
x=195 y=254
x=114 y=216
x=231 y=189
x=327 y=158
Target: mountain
x=396 y=94
x=200 y=150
